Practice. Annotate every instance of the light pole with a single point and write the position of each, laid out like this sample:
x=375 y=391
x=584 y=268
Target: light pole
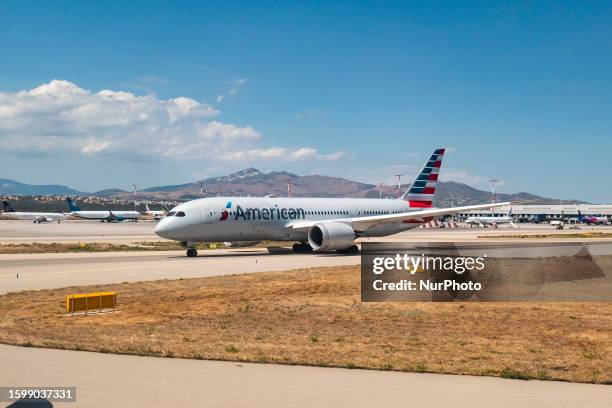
x=399 y=183
x=134 y=186
x=493 y=181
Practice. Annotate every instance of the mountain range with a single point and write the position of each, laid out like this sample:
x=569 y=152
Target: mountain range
x=252 y=182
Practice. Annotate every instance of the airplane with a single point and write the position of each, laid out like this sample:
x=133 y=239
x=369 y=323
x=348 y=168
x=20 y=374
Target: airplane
x=157 y=214
x=36 y=217
x=318 y=224
x=592 y=219
x=102 y=215
x=491 y=220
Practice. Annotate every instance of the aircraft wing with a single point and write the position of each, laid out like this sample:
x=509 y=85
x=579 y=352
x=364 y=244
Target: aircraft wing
x=364 y=223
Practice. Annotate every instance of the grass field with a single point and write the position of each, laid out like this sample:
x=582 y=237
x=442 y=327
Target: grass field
x=314 y=317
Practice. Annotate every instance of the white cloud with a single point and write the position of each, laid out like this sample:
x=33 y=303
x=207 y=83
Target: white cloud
x=217 y=130
x=462 y=176
x=62 y=118
x=333 y=156
x=236 y=84
x=282 y=153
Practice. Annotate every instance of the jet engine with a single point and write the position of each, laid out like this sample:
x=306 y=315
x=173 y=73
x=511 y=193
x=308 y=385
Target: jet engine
x=328 y=236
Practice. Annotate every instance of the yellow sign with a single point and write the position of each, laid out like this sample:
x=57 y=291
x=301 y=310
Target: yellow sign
x=85 y=302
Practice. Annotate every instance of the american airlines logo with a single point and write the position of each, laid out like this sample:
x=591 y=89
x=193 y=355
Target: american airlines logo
x=267 y=214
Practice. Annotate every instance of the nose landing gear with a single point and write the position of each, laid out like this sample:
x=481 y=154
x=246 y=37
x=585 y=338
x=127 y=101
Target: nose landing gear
x=192 y=252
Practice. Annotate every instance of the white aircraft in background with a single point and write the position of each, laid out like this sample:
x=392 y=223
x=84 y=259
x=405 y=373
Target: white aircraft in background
x=36 y=217
x=102 y=215
x=491 y=220
x=319 y=224
x=157 y=214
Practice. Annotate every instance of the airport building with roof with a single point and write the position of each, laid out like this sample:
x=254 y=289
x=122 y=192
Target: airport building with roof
x=547 y=211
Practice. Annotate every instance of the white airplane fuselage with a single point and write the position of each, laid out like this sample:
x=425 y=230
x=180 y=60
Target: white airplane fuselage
x=489 y=220
x=223 y=219
x=33 y=216
x=104 y=215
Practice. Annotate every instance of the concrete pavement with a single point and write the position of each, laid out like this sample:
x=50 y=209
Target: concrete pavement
x=129 y=381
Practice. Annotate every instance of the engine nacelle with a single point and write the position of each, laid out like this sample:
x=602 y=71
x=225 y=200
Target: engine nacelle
x=328 y=236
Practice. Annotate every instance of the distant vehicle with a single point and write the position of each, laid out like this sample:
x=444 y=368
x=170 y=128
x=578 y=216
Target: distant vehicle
x=157 y=214
x=558 y=224
x=240 y=244
x=593 y=220
x=36 y=217
x=102 y=215
x=492 y=220
x=318 y=224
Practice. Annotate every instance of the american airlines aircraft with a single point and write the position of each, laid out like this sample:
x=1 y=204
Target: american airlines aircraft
x=104 y=215
x=36 y=217
x=319 y=224
x=491 y=220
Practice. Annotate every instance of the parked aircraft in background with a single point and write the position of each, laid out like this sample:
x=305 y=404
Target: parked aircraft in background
x=157 y=214
x=102 y=215
x=491 y=220
x=36 y=217
x=319 y=224
x=592 y=220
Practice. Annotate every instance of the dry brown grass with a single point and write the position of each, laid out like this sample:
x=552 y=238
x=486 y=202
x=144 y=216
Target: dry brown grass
x=314 y=317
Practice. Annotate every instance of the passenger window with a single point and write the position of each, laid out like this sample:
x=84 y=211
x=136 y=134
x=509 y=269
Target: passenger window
x=180 y=214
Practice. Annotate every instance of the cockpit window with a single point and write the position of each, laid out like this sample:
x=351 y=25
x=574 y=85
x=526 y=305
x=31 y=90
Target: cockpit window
x=171 y=213
x=180 y=214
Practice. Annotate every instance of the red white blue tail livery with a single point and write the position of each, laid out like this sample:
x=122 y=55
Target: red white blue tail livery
x=422 y=190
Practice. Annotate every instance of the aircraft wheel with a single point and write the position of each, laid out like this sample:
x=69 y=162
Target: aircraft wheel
x=302 y=247
x=192 y=252
x=353 y=249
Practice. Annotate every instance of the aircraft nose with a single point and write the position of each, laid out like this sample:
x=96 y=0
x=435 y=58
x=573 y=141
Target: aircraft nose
x=163 y=228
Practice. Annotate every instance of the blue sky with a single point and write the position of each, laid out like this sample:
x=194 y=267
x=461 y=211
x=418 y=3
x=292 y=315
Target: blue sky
x=519 y=91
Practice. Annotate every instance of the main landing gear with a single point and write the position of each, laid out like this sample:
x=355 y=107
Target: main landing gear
x=353 y=249
x=302 y=248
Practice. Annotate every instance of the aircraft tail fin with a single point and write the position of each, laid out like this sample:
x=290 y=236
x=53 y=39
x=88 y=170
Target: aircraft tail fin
x=421 y=192
x=72 y=205
x=7 y=207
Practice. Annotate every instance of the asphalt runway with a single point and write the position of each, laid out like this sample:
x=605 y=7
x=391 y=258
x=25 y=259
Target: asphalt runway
x=129 y=381
x=12 y=231
x=47 y=271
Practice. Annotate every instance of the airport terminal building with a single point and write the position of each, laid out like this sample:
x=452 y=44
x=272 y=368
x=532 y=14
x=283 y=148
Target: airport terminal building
x=548 y=211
